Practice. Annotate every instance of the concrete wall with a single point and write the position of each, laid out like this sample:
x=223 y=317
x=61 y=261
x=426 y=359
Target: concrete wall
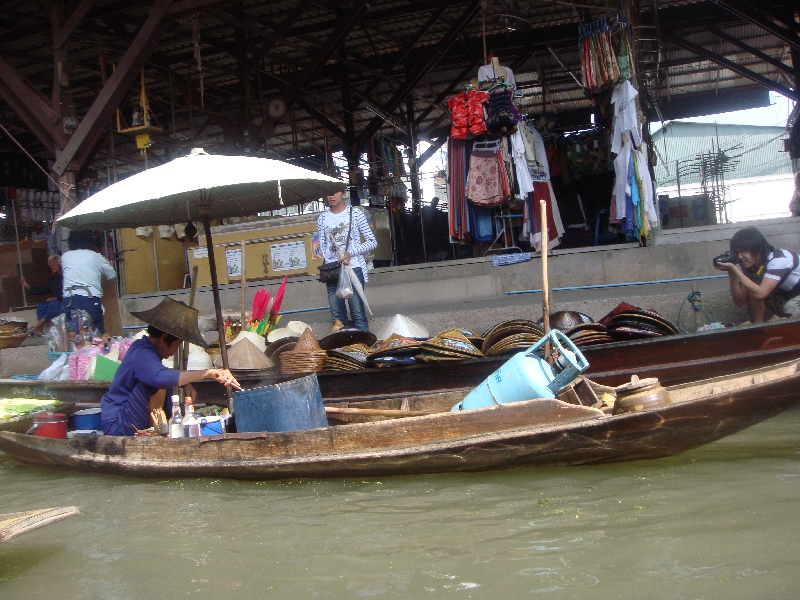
x=673 y=254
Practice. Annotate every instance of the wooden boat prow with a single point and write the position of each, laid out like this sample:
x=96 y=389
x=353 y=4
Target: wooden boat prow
x=535 y=432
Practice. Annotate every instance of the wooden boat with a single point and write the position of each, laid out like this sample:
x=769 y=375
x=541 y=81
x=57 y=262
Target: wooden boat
x=22 y=423
x=674 y=359
x=535 y=432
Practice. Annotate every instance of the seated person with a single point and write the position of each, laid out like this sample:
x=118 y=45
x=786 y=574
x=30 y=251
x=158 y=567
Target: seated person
x=764 y=278
x=50 y=308
x=141 y=381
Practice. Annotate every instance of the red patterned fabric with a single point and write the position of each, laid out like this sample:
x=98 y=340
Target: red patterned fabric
x=467 y=113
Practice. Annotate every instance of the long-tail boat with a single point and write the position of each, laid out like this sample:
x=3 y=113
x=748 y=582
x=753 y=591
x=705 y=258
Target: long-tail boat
x=433 y=439
x=673 y=359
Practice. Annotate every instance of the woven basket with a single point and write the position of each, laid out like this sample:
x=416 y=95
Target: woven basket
x=12 y=341
x=12 y=327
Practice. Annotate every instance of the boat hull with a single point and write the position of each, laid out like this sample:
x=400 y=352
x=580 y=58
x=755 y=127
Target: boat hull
x=532 y=433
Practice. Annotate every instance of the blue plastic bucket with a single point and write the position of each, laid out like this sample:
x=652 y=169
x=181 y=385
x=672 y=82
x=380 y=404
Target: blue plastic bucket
x=88 y=418
x=213 y=425
x=289 y=406
x=526 y=376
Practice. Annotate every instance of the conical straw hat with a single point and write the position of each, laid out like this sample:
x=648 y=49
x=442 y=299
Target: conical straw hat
x=403 y=326
x=245 y=356
x=306 y=343
x=174 y=318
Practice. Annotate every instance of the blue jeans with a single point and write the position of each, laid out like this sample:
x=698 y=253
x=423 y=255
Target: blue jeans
x=91 y=305
x=339 y=309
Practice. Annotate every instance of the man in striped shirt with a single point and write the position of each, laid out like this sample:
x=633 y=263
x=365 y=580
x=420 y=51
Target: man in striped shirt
x=765 y=278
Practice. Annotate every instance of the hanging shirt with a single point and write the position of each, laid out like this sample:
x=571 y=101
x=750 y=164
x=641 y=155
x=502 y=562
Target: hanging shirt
x=488 y=73
x=625 y=118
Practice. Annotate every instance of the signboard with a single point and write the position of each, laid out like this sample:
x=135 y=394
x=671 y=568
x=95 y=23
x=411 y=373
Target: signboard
x=233 y=256
x=200 y=252
x=289 y=256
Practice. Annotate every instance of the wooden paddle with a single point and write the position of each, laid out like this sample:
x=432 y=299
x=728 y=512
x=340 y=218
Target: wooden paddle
x=15 y=524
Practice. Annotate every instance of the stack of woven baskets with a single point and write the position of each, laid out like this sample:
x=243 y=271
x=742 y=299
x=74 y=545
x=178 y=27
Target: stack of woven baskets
x=305 y=357
x=12 y=333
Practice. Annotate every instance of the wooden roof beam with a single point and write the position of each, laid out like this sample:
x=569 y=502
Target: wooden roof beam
x=728 y=64
x=749 y=13
x=332 y=44
x=466 y=17
x=755 y=52
x=91 y=127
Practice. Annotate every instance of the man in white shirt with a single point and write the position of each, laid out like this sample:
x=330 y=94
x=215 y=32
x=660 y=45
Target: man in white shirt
x=84 y=269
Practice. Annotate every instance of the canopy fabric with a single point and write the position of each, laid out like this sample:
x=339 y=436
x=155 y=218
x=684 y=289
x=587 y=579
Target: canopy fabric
x=229 y=186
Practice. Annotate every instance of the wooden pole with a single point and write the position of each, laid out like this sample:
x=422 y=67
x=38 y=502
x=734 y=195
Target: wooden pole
x=545 y=284
x=192 y=293
x=244 y=290
x=19 y=252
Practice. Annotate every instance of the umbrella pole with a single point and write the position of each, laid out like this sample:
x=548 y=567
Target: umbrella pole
x=212 y=264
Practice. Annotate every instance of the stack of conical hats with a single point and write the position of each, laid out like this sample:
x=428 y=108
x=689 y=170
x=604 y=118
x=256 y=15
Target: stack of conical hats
x=349 y=357
x=448 y=345
x=639 y=324
x=305 y=357
x=395 y=350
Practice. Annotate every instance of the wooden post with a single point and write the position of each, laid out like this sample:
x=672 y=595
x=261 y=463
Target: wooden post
x=244 y=290
x=545 y=284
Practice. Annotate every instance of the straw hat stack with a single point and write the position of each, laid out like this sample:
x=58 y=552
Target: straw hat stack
x=245 y=356
x=395 y=350
x=347 y=358
x=305 y=357
x=508 y=337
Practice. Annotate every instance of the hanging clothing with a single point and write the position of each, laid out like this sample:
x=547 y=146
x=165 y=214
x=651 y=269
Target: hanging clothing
x=466 y=110
x=625 y=115
x=532 y=229
x=485 y=186
x=501 y=112
x=490 y=73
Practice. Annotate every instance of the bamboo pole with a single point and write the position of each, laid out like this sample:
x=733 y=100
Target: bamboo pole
x=545 y=283
x=242 y=298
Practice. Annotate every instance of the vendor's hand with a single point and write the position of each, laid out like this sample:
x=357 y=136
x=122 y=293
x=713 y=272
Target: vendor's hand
x=51 y=298
x=224 y=377
x=24 y=283
x=345 y=259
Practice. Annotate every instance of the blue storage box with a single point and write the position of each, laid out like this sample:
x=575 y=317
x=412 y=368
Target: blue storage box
x=214 y=425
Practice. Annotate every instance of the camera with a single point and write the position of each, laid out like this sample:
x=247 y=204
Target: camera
x=726 y=257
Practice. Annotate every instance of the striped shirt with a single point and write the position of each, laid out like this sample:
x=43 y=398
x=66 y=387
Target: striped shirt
x=362 y=240
x=784 y=267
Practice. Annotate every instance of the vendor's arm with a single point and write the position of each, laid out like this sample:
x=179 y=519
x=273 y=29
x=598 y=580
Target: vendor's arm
x=742 y=285
x=222 y=376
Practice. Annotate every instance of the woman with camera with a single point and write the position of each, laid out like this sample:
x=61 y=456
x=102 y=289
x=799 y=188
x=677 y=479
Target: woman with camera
x=761 y=276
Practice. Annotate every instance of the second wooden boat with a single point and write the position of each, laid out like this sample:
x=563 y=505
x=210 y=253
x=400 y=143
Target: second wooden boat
x=535 y=432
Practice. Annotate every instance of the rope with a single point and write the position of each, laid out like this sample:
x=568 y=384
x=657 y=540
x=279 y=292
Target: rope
x=697 y=305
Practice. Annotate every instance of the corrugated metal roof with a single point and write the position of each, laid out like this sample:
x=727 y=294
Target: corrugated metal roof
x=753 y=150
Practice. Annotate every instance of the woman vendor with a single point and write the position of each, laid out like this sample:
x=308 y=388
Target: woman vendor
x=141 y=381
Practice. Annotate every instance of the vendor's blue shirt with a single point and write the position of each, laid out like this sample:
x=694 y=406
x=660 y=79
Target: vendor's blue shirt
x=141 y=365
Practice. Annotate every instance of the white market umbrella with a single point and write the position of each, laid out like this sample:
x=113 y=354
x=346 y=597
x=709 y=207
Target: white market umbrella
x=200 y=187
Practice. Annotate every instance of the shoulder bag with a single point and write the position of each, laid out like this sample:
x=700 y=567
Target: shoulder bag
x=329 y=272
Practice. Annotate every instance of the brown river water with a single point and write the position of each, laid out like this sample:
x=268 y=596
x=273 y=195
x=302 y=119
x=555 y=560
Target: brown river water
x=718 y=522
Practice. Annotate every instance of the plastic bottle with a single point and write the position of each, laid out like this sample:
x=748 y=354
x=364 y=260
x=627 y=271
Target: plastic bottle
x=190 y=422
x=175 y=426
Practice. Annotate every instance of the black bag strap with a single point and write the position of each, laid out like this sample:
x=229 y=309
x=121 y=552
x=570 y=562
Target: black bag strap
x=349 y=230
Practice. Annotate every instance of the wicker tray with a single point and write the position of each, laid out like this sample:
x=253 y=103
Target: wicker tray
x=12 y=341
x=11 y=327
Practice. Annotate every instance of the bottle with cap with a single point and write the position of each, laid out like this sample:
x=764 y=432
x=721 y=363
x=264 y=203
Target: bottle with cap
x=190 y=422
x=175 y=425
